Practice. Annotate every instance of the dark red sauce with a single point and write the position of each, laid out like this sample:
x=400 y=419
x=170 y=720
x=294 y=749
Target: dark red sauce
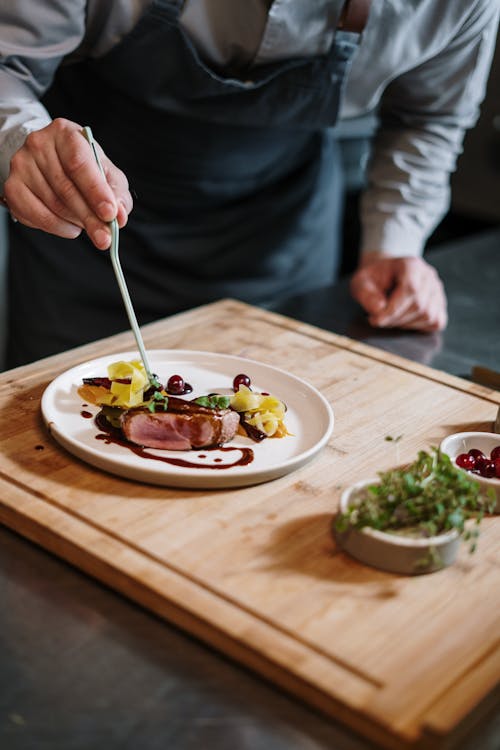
x=86 y=414
x=252 y=432
x=114 y=435
x=187 y=388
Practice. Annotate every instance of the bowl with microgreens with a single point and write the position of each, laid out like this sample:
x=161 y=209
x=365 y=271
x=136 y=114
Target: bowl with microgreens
x=478 y=454
x=411 y=520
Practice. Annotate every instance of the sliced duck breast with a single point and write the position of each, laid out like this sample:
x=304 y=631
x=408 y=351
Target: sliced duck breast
x=184 y=426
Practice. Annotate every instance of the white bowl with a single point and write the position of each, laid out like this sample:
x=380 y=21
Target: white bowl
x=394 y=552
x=462 y=442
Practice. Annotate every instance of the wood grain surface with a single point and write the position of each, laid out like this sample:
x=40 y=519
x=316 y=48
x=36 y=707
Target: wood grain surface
x=407 y=662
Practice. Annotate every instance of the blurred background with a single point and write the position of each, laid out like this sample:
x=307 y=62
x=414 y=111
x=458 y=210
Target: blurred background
x=3 y=284
x=475 y=204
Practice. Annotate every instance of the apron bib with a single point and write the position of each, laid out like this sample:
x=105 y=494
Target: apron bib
x=236 y=183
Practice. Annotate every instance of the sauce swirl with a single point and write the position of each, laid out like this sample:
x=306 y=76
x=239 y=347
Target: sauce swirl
x=110 y=434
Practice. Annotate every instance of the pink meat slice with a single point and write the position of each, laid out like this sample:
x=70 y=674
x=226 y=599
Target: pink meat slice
x=190 y=427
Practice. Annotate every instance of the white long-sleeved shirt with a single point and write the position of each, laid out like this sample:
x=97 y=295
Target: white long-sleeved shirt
x=422 y=65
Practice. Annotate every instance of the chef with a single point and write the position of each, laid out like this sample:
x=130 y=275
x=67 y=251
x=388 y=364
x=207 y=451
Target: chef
x=218 y=124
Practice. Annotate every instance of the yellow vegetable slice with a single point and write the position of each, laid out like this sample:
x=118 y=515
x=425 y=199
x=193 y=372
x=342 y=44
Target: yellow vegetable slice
x=245 y=400
x=265 y=422
x=93 y=394
x=126 y=394
x=264 y=412
x=274 y=405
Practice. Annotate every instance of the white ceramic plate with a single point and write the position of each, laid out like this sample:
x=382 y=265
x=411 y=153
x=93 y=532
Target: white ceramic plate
x=309 y=419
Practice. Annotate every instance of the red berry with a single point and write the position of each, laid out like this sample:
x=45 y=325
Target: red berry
x=476 y=453
x=495 y=453
x=480 y=464
x=497 y=467
x=466 y=461
x=241 y=379
x=175 y=385
x=488 y=469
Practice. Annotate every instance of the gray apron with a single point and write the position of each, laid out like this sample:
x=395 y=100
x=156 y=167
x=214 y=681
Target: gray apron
x=236 y=183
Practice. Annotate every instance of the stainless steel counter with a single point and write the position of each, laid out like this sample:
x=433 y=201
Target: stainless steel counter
x=83 y=669
x=470 y=269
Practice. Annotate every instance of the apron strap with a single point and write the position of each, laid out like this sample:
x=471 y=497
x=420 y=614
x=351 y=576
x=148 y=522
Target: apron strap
x=354 y=15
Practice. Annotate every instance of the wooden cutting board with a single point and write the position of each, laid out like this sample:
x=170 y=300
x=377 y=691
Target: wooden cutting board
x=406 y=662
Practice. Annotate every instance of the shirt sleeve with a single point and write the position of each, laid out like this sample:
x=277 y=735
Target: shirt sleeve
x=423 y=116
x=34 y=39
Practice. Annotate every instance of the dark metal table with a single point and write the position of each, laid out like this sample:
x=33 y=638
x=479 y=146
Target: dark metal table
x=83 y=669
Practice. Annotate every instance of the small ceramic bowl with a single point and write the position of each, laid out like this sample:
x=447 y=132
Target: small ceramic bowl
x=462 y=442
x=395 y=553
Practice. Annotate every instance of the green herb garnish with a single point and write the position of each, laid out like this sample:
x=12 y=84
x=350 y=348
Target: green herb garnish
x=112 y=414
x=154 y=382
x=213 y=401
x=159 y=402
x=428 y=497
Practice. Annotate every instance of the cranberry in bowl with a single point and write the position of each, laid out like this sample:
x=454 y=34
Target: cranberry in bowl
x=479 y=454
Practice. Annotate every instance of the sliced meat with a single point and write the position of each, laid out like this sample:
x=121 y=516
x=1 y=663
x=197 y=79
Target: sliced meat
x=182 y=427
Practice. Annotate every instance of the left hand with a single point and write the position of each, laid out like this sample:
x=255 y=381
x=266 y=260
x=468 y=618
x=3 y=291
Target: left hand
x=404 y=292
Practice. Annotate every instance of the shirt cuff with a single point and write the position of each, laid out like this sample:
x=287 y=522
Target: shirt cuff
x=392 y=238
x=18 y=122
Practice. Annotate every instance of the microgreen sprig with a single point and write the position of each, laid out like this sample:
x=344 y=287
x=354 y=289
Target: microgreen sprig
x=428 y=497
x=159 y=401
x=214 y=401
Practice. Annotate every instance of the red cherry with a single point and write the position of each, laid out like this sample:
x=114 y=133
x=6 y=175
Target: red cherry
x=175 y=384
x=476 y=453
x=497 y=467
x=488 y=469
x=481 y=464
x=495 y=453
x=241 y=379
x=466 y=461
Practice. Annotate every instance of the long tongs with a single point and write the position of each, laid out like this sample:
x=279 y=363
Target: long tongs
x=115 y=261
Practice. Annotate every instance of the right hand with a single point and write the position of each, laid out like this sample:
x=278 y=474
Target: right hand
x=55 y=185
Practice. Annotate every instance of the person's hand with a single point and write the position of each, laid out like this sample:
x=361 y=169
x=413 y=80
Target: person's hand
x=55 y=185
x=400 y=293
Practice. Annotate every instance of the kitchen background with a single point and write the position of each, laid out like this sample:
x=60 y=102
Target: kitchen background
x=475 y=205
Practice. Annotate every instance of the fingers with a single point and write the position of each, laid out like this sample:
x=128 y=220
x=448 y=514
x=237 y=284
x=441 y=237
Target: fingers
x=38 y=206
x=414 y=296
x=45 y=218
x=368 y=293
x=79 y=171
x=433 y=318
x=74 y=176
x=416 y=317
x=119 y=185
x=55 y=184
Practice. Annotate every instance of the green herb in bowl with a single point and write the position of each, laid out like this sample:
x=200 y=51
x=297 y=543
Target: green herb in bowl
x=410 y=512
